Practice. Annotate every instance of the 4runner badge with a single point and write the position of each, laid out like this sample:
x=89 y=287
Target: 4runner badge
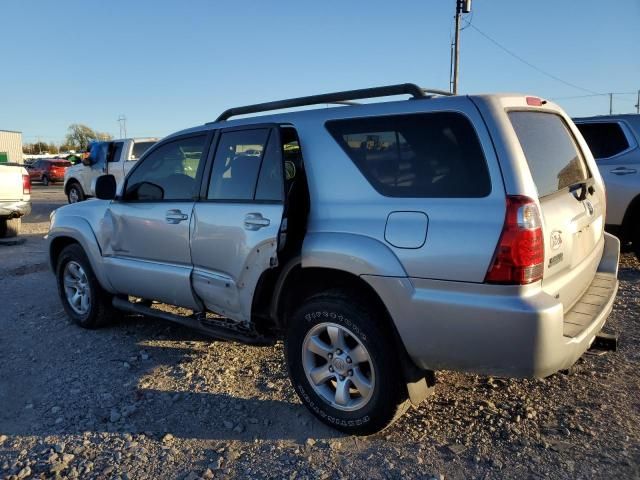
x=556 y=239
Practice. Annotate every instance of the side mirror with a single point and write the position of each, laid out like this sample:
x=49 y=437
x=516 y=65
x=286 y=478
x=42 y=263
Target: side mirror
x=105 y=187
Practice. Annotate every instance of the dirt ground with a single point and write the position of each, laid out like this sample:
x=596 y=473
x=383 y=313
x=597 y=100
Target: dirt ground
x=147 y=399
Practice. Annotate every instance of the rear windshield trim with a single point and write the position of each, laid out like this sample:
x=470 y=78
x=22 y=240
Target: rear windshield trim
x=589 y=180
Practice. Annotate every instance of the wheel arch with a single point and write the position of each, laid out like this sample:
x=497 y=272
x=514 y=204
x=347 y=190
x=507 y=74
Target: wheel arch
x=631 y=213
x=70 y=182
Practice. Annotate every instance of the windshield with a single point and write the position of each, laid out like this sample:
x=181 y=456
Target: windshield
x=554 y=159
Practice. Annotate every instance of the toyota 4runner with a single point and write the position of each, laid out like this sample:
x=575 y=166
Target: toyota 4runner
x=381 y=241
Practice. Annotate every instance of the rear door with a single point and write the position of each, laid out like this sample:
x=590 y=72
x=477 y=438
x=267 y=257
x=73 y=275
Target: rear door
x=572 y=203
x=616 y=152
x=234 y=236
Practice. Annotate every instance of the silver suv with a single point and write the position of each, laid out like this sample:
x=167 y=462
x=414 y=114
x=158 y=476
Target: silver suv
x=381 y=241
x=613 y=140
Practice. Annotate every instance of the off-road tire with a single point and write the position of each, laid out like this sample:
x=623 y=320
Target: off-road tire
x=101 y=311
x=78 y=189
x=388 y=401
x=10 y=227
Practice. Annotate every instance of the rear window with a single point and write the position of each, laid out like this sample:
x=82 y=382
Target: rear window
x=551 y=152
x=419 y=155
x=604 y=139
x=139 y=148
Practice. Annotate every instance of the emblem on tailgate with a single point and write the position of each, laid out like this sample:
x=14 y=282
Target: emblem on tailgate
x=556 y=239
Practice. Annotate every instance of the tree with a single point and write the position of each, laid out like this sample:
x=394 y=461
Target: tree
x=52 y=148
x=79 y=136
x=36 y=148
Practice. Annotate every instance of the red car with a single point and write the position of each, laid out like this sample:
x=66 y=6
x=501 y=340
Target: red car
x=48 y=170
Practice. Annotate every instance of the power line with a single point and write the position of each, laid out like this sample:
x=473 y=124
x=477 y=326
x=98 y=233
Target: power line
x=529 y=64
x=592 y=95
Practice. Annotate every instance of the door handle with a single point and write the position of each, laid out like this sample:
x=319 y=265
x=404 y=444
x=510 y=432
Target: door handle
x=255 y=221
x=175 y=216
x=623 y=171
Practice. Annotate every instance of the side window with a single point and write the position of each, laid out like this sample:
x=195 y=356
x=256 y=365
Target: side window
x=435 y=155
x=169 y=172
x=116 y=152
x=237 y=164
x=270 y=182
x=605 y=139
x=139 y=148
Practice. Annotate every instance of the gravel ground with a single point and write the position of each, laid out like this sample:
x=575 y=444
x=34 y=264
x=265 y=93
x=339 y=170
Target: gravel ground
x=147 y=399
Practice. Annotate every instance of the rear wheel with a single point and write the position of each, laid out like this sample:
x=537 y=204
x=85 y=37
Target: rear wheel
x=82 y=297
x=343 y=366
x=635 y=238
x=75 y=193
x=10 y=227
x=45 y=180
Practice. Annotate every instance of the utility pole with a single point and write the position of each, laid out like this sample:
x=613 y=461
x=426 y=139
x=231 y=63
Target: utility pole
x=611 y=104
x=462 y=6
x=122 y=121
x=638 y=103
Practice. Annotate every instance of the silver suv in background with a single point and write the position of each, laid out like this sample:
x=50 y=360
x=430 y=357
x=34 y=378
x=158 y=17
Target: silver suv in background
x=614 y=140
x=381 y=241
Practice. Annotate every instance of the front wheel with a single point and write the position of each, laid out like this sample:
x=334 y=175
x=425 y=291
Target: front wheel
x=75 y=193
x=82 y=297
x=343 y=364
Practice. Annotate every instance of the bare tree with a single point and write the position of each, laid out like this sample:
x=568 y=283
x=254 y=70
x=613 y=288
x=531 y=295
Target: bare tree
x=80 y=136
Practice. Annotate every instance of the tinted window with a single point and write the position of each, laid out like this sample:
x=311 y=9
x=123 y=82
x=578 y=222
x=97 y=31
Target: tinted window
x=553 y=157
x=270 y=181
x=116 y=152
x=169 y=172
x=604 y=139
x=236 y=164
x=420 y=155
x=139 y=148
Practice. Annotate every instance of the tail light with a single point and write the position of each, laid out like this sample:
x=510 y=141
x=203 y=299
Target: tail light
x=26 y=185
x=519 y=258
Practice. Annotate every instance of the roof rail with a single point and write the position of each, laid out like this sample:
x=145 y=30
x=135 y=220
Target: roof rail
x=345 y=97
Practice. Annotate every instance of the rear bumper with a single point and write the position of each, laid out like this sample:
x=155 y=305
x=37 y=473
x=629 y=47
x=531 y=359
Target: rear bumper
x=14 y=209
x=493 y=330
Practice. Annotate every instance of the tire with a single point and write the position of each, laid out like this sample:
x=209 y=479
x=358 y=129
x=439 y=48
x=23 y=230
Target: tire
x=45 y=180
x=10 y=227
x=365 y=335
x=98 y=310
x=75 y=193
x=635 y=239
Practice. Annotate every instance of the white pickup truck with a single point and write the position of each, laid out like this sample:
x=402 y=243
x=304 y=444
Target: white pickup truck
x=114 y=157
x=15 y=198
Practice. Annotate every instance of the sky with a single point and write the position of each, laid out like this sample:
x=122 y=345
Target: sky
x=168 y=65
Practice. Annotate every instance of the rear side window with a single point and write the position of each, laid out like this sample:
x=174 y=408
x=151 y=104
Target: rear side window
x=139 y=148
x=551 y=152
x=604 y=139
x=419 y=155
x=116 y=152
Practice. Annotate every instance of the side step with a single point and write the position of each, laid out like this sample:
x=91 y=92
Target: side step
x=194 y=322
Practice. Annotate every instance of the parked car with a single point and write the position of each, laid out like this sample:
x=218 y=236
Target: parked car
x=381 y=241
x=614 y=140
x=48 y=170
x=15 y=198
x=115 y=157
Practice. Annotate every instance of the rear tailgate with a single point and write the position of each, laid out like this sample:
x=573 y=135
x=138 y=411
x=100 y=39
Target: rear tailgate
x=571 y=196
x=11 y=182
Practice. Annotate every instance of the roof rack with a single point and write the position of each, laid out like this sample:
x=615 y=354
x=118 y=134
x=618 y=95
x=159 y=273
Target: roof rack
x=346 y=97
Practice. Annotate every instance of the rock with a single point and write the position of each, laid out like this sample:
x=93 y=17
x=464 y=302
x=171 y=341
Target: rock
x=207 y=474
x=25 y=472
x=456 y=448
x=3 y=438
x=192 y=476
x=167 y=438
x=59 y=447
x=57 y=467
x=68 y=457
x=310 y=442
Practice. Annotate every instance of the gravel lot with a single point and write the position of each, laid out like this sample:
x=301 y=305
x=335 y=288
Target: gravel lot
x=146 y=399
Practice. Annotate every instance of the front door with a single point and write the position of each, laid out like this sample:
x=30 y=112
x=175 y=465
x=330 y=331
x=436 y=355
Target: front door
x=146 y=230
x=234 y=236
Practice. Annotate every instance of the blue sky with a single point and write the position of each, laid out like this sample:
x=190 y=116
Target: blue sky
x=169 y=65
